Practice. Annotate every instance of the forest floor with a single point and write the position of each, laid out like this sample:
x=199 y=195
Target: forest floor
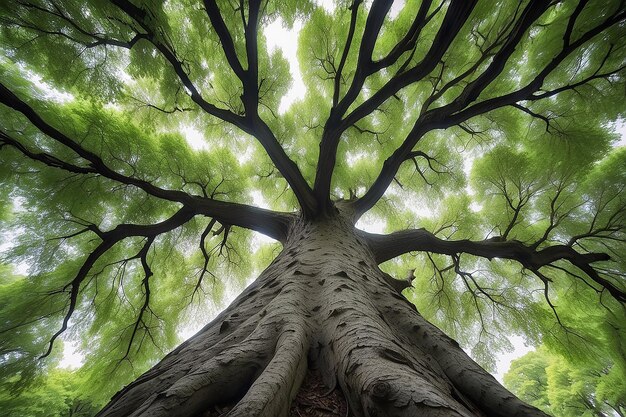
x=313 y=400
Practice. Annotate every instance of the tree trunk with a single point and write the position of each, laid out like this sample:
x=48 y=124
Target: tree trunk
x=323 y=303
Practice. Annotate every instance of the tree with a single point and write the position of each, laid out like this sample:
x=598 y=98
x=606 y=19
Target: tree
x=58 y=395
x=565 y=389
x=123 y=222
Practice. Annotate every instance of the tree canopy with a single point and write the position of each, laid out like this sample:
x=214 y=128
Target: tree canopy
x=481 y=135
x=564 y=388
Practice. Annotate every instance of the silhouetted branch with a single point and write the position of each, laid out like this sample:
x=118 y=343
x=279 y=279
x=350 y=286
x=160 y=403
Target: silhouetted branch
x=457 y=13
x=386 y=247
x=251 y=122
x=225 y=37
x=46 y=158
x=461 y=108
x=108 y=240
x=143 y=256
x=346 y=49
x=265 y=221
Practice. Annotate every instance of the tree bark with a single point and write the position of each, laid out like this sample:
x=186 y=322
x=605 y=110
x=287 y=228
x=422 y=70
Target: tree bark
x=323 y=303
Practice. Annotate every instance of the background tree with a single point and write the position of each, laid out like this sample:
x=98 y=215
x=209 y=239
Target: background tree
x=479 y=133
x=562 y=388
x=59 y=394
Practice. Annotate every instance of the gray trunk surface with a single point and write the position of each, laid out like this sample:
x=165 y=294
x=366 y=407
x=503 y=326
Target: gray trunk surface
x=322 y=303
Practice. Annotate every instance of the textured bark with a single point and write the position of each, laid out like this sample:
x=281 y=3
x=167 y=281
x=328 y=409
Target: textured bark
x=322 y=303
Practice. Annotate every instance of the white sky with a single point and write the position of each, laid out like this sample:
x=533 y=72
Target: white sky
x=278 y=36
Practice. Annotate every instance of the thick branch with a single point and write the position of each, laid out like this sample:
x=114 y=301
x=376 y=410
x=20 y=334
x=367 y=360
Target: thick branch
x=271 y=223
x=389 y=169
x=457 y=14
x=386 y=247
x=373 y=24
x=330 y=137
x=410 y=38
x=251 y=81
x=250 y=124
x=461 y=109
x=268 y=222
x=226 y=39
x=430 y=120
x=285 y=166
x=253 y=124
x=346 y=49
x=533 y=11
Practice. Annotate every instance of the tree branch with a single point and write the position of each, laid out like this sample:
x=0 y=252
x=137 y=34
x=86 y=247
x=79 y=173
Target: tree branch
x=460 y=109
x=143 y=256
x=270 y=223
x=139 y=15
x=373 y=24
x=251 y=81
x=409 y=40
x=346 y=49
x=205 y=255
x=108 y=240
x=251 y=123
x=457 y=14
x=46 y=158
x=386 y=247
x=527 y=92
x=228 y=46
x=330 y=137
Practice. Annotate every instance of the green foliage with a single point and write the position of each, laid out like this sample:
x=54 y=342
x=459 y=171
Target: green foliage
x=58 y=394
x=65 y=204
x=563 y=388
x=542 y=171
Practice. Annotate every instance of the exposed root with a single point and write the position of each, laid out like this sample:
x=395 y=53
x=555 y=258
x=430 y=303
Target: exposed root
x=220 y=378
x=223 y=360
x=272 y=392
x=476 y=388
x=381 y=377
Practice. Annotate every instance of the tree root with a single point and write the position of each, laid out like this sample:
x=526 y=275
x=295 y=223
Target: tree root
x=272 y=392
x=234 y=356
x=472 y=384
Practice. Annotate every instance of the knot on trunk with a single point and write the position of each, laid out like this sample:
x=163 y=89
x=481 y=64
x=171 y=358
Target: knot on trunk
x=381 y=391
